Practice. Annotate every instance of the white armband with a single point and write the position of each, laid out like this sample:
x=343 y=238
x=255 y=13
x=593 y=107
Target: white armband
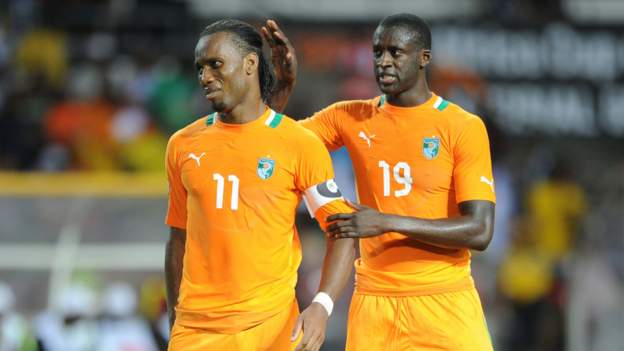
x=325 y=300
x=321 y=194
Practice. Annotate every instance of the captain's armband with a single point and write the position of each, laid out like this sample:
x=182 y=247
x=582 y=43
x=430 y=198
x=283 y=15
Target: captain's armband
x=321 y=194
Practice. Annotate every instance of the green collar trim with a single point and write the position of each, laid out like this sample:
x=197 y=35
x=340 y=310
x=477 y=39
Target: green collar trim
x=211 y=119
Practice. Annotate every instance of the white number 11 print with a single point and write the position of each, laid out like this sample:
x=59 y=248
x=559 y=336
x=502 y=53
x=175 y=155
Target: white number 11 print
x=221 y=188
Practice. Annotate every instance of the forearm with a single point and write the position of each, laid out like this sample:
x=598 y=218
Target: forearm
x=453 y=233
x=174 y=258
x=337 y=266
x=280 y=96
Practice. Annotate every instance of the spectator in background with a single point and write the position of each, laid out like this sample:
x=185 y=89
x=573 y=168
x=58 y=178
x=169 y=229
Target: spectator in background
x=595 y=310
x=28 y=88
x=525 y=280
x=81 y=123
x=14 y=331
x=21 y=122
x=533 y=276
x=44 y=53
x=506 y=205
x=557 y=205
x=71 y=326
x=170 y=98
x=153 y=307
x=120 y=328
x=139 y=145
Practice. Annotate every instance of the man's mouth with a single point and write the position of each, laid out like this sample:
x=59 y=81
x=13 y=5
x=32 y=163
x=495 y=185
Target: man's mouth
x=211 y=93
x=386 y=79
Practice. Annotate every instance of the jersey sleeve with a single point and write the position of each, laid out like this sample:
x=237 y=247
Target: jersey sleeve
x=313 y=164
x=315 y=181
x=333 y=207
x=472 y=173
x=176 y=210
x=326 y=125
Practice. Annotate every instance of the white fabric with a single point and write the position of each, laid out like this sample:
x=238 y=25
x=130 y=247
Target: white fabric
x=314 y=199
x=325 y=300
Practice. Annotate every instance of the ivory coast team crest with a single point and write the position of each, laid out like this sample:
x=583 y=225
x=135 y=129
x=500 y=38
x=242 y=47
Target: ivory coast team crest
x=431 y=147
x=265 y=169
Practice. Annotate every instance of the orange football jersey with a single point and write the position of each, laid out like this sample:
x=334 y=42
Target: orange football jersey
x=417 y=161
x=235 y=189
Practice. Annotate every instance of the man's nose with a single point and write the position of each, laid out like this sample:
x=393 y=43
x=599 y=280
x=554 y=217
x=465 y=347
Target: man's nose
x=206 y=76
x=385 y=60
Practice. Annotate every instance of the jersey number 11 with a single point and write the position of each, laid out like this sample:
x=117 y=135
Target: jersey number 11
x=220 y=189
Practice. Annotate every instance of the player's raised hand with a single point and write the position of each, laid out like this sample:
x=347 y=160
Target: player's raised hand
x=312 y=323
x=363 y=223
x=282 y=54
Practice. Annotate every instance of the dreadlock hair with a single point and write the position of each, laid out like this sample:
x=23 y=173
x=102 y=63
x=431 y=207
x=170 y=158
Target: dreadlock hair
x=248 y=40
x=414 y=24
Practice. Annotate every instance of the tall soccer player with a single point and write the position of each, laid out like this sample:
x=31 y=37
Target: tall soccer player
x=424 y=181
x=235 y=180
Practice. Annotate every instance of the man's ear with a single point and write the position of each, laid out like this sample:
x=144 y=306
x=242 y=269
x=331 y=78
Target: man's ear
x=425 y=57
x=251 y=63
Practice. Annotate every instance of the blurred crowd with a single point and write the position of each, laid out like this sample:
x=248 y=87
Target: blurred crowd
x=106 y=112
x=87 y=317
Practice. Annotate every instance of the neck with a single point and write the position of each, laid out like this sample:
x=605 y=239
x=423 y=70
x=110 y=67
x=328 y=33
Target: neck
x=416 y=95
x=247 y=111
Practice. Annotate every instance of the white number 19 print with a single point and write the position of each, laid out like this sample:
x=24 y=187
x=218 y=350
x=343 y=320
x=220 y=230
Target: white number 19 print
x=402 y=175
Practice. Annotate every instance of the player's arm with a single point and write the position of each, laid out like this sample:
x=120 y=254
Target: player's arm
x=314 y=179
x=325 y=123
x=474 y=191
x=323 y=200
x=174 y=258
x=284 y=63
x=176 y=220
x=472 y=230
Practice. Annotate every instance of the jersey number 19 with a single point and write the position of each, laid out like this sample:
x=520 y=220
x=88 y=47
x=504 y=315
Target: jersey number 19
x=402 y=176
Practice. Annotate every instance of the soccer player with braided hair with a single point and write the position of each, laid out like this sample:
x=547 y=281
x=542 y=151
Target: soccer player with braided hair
x=236 y=178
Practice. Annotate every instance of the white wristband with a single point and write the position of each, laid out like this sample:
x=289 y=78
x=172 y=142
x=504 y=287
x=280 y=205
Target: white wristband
x=325 y=300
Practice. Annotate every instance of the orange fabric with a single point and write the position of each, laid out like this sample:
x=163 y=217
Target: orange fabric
x=242 y=249
x=336 y=206
x=272 y=335
x=420 y=161
x=450 y=321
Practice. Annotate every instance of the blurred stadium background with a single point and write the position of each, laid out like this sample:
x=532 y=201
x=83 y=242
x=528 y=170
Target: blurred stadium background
x=91 y=90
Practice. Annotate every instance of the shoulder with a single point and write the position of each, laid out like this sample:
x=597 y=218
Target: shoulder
x=296 y=131
x=190 y=130
x=299 y=136
x=356 y=108
x=458 y=117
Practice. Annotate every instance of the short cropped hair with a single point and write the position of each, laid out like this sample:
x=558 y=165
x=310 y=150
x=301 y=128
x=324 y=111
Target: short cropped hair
x=414 y=24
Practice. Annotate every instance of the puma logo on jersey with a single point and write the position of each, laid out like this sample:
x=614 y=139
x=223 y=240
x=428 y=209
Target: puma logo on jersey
x=488 y=182
x=366 y=138
x=196 y=158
